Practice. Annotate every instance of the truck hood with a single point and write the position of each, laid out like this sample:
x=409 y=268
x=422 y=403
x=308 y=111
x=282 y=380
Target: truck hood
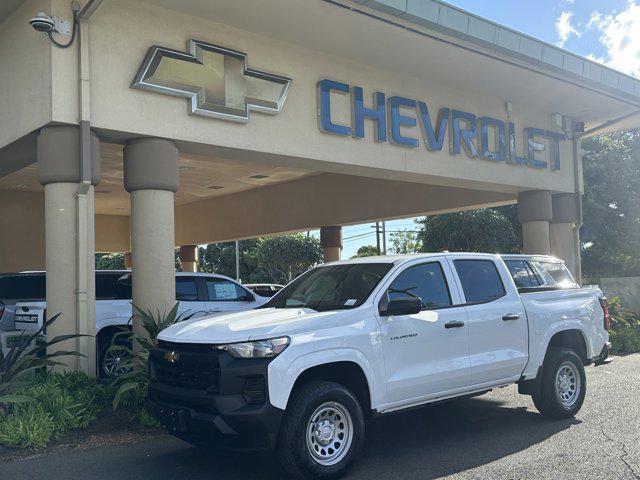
x=250 y=325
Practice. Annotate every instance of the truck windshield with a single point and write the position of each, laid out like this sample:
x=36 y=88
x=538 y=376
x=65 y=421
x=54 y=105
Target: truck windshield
x=332 y=287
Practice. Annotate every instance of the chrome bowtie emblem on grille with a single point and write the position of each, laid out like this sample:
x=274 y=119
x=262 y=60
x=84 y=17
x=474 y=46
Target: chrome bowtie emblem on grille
x=172 y=357
x=215 y=80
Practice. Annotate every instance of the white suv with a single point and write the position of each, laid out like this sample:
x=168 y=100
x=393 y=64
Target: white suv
x=198 y=294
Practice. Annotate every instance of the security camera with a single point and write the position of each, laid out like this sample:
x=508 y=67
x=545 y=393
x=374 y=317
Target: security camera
x=42 y=23
x=48 y=24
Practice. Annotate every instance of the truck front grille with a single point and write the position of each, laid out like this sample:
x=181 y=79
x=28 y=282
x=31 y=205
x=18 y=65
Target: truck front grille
x=186 y=368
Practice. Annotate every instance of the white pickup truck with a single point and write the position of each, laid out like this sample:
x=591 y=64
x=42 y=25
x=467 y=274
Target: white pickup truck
x=369 y=336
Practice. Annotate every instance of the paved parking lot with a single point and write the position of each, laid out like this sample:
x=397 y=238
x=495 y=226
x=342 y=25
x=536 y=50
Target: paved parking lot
x=496 y=436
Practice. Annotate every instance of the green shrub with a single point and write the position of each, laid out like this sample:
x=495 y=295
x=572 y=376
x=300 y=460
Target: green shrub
x=131 y=387
x=68 y=401
x=28 y=426
x=625 y=328
x=25 y=358
x=146 y=419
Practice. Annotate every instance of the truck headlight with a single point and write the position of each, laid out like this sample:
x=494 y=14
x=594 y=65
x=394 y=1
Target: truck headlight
x=256 y=349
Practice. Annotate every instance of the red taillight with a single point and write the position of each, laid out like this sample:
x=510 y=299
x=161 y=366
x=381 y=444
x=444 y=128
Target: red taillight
x=604 y=303
x=1 y=310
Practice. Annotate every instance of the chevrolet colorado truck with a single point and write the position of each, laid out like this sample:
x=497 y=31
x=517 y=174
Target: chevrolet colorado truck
x=365 y=337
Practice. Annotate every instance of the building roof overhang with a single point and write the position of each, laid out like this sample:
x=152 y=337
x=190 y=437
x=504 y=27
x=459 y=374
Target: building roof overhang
x=444 y=45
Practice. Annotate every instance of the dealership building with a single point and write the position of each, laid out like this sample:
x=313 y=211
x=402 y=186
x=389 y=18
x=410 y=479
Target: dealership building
x=171 y=123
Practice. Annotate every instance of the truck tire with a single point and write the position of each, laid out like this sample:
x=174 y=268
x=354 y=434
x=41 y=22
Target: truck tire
x=562 y=386
x=110 y=358
x=322 y=431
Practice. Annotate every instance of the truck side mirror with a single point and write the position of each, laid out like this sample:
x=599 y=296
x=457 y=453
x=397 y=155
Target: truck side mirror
x=403 y=306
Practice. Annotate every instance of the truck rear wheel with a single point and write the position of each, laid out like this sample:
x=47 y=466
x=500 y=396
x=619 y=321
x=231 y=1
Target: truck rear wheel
x=322 y=432
x=562 y=386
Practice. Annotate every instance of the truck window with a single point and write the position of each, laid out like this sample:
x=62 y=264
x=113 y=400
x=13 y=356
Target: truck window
x=554 y=274
x=186 y=289
x=332 y=287
x=522 y=274
x=480 y=280
x=425 y=281
x=106 y=285
x=123 y=289
x=25 y=286
x=221 y=290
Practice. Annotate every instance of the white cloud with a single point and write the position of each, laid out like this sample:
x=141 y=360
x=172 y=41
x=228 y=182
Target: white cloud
x=620 y=35
x=565 y=28
x=595 y=58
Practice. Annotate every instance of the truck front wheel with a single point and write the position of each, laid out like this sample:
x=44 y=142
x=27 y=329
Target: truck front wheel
x=562 y=386
x=322 y=431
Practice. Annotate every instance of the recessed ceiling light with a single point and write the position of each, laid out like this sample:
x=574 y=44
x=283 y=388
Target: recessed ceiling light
x=186 y=167
x=214 y=187
x=259 y=176
x=103 y=191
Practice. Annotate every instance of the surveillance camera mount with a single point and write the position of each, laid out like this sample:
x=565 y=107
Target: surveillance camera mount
x=46 y=24
x=49 y=25
x=61 y=26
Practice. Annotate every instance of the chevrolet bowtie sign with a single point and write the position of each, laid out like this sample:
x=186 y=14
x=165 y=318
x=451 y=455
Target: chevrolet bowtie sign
x=215 y=80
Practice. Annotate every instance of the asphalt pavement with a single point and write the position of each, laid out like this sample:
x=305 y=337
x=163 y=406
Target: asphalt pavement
x=499 y=435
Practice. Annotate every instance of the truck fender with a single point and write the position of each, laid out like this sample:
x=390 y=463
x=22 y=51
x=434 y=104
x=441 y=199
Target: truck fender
x=282 y=377
x=539 y=351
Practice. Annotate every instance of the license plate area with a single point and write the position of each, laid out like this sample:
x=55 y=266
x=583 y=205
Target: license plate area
x=173 y=419
x=26 y=318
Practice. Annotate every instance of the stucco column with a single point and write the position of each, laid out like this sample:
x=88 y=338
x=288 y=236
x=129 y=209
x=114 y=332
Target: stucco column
x=563 y=232
x=189 y=258
x=69 y=241
x=331 y=243
x=151 y=177
x=534 y=214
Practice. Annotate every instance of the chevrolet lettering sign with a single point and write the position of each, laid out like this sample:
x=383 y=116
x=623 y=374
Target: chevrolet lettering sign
x=484 y=137
x=215 y=80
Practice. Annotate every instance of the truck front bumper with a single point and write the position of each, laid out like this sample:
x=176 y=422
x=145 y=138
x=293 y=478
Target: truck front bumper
x=240 y=429
x=208 y=398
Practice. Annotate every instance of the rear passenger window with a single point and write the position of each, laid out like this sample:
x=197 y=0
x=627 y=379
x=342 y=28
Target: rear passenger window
x=186 y=289
x=106 y=285
x=425 y=281
x=522 y=274
x=26 y=286
x=221 y=290
x=480 y=280
x=554 y=274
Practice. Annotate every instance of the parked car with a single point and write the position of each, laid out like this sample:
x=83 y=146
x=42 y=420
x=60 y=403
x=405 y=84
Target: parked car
x=264 y=289
x=16 y=287
x=371 y=336
x=198 y=294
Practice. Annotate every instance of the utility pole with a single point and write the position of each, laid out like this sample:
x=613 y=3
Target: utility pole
x=384 y=237
x=237 y=260
x=378 y=237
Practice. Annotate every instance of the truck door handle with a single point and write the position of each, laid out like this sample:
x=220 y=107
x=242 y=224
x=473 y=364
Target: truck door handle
x=454 y=324
x=510 y=316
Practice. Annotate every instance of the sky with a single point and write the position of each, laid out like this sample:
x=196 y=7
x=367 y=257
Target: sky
x=607 y=31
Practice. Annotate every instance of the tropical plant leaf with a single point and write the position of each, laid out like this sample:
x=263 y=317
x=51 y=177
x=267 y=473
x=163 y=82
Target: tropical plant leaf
x=15 y=399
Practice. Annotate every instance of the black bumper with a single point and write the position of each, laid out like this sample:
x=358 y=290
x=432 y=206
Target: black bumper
x=603 y=357
x=208 y=398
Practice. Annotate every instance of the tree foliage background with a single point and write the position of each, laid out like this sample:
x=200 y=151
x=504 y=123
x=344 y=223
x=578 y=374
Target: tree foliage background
x=492 y=230
x=610 y=234
x=275 y=259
